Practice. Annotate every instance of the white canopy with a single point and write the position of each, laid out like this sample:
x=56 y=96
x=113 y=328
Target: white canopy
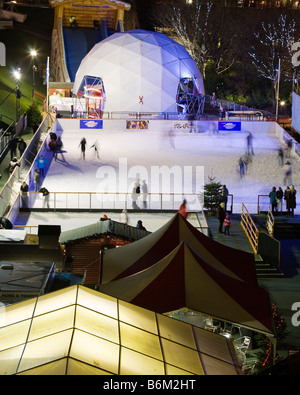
x=141 y=71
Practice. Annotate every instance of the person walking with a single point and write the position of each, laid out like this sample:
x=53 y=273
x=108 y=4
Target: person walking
x=227 y=224
x=21 y=146
x=36 y=180
x=273 y=201
x=82 y=146
x=291 y=200
x=279 y=196
x=13 y=144
x=221 y=216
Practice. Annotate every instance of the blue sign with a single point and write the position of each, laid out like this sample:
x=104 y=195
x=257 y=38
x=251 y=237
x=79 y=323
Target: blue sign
x=230 y=126
x=91 y=123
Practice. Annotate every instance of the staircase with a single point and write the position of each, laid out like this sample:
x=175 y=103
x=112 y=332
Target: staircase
x=287 y=228
x=265 y=269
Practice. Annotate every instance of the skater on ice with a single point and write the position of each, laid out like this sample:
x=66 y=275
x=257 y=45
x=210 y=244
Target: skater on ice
x=82 y=145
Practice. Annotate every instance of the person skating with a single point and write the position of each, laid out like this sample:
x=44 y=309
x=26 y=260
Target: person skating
x=41 y=162
x=82 y=146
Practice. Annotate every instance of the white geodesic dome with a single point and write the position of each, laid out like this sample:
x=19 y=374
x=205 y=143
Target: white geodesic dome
x=141 y=71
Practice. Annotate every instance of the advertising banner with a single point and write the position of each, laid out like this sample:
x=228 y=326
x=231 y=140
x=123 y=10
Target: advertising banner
x=91 y=124
x=230 y=126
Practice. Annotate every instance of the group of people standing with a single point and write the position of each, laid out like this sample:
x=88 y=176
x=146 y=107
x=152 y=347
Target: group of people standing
x=276 y=197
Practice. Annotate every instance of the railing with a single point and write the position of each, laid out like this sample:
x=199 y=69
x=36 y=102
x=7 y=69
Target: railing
x=249 y=228
x=263 y=207
x=270 y=223
x=90 y=201
x=94 y=202
x=10 y=191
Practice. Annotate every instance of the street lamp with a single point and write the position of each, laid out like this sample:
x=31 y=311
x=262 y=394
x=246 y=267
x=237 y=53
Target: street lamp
x=33 y=53
x=17 y=74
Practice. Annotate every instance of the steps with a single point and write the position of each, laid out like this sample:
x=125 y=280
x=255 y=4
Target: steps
x=289 y=229
x=265 y=269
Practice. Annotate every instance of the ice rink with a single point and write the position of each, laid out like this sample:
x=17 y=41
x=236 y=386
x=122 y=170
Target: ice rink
x=169 y=160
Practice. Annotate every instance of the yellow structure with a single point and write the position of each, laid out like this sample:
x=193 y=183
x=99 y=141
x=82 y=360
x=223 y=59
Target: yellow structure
x=86 y=11
x=80 y=14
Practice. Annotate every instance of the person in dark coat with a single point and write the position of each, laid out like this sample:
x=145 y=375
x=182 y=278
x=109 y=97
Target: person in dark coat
x=13 y=144
x=24 y=194
x=291 y=200
x=221 y=214
x=22 y=146
x=140 y=225
x=5 y=223
x=82 y=145
x=279 y=197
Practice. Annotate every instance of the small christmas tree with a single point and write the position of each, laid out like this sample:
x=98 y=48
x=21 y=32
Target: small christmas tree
x=212 y=195
x=266 y=357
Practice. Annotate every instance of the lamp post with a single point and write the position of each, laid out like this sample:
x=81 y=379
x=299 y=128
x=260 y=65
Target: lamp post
x=33 y=53
x=17 y=74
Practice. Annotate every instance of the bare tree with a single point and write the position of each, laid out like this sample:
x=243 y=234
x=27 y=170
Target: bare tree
x=188 y=24
x=273 y=42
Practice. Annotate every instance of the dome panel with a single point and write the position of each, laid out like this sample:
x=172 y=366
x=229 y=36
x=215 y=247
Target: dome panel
x=139 y=63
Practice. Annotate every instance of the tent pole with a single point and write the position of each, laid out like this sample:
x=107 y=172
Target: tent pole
x=101 y=267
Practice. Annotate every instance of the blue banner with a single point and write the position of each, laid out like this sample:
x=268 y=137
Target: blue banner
x=91 y=123
x=230 y=126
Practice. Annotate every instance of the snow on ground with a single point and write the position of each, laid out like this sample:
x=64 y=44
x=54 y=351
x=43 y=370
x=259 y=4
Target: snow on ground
x=126 y=155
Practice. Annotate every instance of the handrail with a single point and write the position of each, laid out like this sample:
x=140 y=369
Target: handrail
x=270 y=223
x=249 y=228
x=258 y=202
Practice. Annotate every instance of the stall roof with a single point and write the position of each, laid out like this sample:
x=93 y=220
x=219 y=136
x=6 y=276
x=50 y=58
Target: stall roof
x=78 y=331
x=102 y=227
x=184 y=280
x=141 y=254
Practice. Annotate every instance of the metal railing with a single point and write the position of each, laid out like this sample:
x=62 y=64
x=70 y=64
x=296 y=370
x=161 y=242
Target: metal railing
x=95 y=202
x=250 y=228
x=270 y=223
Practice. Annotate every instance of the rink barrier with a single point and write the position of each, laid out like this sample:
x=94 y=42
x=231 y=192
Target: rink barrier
x=250 y=228
x=109 y=201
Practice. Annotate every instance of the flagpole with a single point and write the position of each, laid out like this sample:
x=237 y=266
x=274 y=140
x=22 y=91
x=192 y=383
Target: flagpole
x=277 y=91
